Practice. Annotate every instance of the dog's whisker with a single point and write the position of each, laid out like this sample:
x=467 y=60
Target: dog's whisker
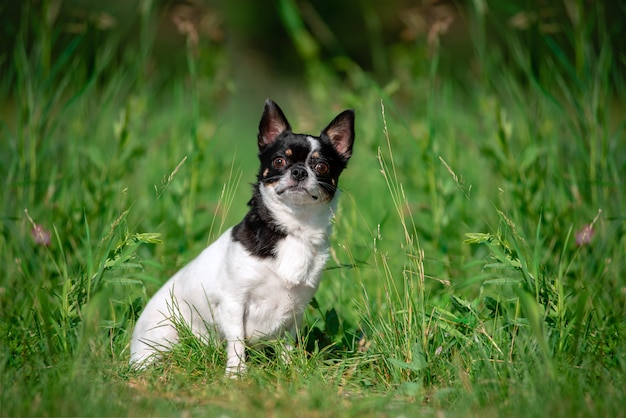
x=328 y=187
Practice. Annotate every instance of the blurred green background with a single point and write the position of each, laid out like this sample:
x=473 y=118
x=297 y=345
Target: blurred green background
x=477 y=261
x=267 y=44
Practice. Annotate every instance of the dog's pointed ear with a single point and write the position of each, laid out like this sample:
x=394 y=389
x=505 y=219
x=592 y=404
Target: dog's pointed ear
x=273 y=123
x=341 y=133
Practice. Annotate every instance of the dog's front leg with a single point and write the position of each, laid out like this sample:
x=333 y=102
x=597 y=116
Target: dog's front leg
x=235 y=357
x=234 y=334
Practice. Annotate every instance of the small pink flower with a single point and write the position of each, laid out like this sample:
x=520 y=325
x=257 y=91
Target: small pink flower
x=40 y=235
x=438 y=350
x=585 y=235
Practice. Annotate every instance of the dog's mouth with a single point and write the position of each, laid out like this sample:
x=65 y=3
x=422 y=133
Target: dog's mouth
x=297 y=189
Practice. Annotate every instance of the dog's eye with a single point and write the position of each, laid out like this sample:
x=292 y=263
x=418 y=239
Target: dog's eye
x=279 y=162
x=321 y=168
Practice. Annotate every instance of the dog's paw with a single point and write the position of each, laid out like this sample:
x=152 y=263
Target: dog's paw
x=235 y=370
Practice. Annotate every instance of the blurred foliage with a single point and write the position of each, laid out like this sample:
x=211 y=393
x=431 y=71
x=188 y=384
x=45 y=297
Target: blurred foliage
x=389 y=40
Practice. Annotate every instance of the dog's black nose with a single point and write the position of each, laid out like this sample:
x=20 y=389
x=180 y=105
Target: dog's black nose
x=299 y=173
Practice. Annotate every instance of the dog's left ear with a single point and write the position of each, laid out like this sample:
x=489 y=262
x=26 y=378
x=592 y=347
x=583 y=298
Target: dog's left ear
x=341 y=133
x=273 y=123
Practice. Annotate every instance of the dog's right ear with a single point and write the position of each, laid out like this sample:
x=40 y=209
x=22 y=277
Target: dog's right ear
x=273 y=123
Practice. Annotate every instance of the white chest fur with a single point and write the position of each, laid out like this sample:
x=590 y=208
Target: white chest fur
x=299 y=262
x=283 y=288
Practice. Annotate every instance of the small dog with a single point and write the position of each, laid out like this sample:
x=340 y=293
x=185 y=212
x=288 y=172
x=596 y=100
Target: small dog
x=255 y=281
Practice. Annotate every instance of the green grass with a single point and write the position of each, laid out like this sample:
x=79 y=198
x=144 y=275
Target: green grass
x=455 y=287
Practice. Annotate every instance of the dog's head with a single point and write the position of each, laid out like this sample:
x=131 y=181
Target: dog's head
x=299 y=169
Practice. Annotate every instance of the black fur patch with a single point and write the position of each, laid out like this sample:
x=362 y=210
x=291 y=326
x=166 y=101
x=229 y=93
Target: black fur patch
x=257 y=232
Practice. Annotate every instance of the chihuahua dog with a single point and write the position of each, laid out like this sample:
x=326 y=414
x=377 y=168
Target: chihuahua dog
x=255 y=281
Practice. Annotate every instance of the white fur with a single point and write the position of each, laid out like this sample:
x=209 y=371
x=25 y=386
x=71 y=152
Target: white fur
x=242 y=297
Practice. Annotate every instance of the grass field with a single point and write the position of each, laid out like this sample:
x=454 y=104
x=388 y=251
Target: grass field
x=477 y=261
